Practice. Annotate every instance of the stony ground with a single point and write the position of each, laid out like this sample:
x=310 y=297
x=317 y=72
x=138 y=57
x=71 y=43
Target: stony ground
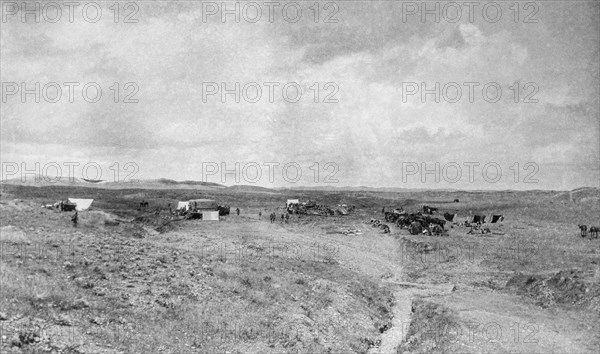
x=130 y=281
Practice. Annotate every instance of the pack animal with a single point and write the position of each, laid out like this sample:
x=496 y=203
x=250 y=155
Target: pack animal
x=449 y=217
x=415 y=228
x=385 y=228
x=594 y=230
x=436 y=229
x=429 y=210
x=583 y=229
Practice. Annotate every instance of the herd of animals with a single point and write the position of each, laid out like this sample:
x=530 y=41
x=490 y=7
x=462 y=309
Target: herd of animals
x=416 y=223
x=594 y=230
x=422 y=223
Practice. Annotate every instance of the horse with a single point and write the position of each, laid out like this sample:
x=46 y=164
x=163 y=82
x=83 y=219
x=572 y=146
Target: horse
x=385 y=228
x=594 y=231
x=583 y=229
x=415 y=228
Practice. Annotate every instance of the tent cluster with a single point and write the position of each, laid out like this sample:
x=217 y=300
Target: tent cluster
x=312 y=208
x=205 y=209
x=396 y=214
x=476 y=219
x=70 y=204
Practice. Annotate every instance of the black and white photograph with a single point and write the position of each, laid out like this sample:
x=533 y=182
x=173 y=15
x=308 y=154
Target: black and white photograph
x=299 y=176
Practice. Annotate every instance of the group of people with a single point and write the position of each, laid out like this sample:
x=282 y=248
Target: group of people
x=273 y=217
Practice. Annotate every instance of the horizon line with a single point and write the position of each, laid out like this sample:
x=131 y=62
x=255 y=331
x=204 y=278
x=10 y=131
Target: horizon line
x=291 y=187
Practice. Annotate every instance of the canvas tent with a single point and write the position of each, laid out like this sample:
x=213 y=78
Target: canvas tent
x=210 y=215
x=182 y=205
x=82 y=204
x=497 y=218
x=479 y=219
x=292 y=201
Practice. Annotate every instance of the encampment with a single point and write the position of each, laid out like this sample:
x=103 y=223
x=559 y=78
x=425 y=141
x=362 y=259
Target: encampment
x=81 y=204
x=292 y=201
x=201 y=205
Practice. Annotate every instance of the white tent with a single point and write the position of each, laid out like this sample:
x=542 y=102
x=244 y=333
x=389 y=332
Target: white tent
x=210 y=215
x=292 y=201
x=82 y=204
x=183 y=205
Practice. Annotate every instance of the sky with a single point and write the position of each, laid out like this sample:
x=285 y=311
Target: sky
x=352 y=112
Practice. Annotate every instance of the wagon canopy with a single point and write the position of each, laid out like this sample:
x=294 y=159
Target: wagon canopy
x=203 y=204
x=182 y=205
x=81 y=204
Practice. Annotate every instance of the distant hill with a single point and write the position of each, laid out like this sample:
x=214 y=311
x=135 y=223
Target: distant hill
x=579 y=195
x=167 y=181
x=162 y=183
x=48 y=181
x=363 y=189
x=252 y=189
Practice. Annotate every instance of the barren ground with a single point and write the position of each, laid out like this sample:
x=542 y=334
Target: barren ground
x=244 y=285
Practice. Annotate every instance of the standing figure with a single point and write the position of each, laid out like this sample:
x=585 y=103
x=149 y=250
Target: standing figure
x=259 y=215
x=287 y=218
x=75 y=218
x=237 y=211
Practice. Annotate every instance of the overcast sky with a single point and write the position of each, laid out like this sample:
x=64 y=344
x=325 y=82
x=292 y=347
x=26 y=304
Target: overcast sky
x=371 y=54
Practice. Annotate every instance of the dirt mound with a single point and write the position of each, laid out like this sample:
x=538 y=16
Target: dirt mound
x=12 y=233
x=566 y=287
x=410 y=202
x=156 y=222
x=416 y=246
x=17 y=204
x=96 y=217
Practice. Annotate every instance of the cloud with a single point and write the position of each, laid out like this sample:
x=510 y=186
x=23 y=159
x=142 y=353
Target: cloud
x=366 y=56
